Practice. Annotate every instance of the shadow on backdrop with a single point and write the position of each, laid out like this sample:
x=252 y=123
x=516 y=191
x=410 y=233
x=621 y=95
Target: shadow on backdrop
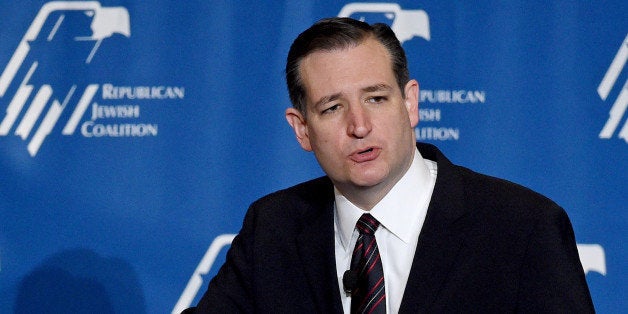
x=80 y=281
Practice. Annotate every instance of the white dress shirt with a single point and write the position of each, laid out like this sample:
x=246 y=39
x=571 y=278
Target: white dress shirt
x=401 y=214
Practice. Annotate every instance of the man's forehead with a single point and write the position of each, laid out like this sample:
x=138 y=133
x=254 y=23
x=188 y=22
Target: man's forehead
x=363 y=67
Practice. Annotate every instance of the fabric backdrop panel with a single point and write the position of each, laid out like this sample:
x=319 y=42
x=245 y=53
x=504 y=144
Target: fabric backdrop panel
x=134 y=134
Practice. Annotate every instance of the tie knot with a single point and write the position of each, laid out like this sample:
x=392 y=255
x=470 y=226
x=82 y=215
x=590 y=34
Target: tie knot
x=367 y=224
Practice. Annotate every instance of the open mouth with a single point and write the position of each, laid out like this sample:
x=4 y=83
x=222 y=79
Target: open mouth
x=368 y=154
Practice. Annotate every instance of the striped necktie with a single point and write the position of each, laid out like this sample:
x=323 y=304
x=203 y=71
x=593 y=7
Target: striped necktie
x=369 y=295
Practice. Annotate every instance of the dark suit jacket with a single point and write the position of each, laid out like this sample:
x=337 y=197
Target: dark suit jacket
x=487 y=245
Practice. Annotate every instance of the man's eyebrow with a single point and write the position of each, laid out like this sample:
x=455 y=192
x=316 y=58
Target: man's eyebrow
x=377 y=88
x=326 y=99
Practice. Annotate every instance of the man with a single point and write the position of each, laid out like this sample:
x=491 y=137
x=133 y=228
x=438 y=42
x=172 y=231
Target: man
x=431 y=237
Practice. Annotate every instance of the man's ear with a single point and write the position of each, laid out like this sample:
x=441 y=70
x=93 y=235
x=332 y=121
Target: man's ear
x=299 y=126
x=412 y=101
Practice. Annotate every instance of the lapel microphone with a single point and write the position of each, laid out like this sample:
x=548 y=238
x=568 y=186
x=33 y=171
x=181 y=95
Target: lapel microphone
x=350 y=280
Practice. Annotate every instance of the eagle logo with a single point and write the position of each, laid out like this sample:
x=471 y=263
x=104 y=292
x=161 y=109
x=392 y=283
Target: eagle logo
x=33 y=95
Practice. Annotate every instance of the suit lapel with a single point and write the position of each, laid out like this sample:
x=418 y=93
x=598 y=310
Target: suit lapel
x=440 y=239
x=316 y=250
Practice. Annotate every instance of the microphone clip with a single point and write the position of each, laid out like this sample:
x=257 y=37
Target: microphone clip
x=350 y=280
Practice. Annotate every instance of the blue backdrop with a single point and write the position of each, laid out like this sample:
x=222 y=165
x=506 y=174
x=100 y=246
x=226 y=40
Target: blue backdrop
x=134 y=135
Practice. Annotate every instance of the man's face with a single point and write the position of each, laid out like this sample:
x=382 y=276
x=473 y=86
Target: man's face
x=358 y=125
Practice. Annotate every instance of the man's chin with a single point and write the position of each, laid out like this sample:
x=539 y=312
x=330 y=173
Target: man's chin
x=366 y=182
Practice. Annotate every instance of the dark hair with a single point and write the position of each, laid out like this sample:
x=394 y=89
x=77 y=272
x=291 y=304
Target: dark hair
x=337 y=33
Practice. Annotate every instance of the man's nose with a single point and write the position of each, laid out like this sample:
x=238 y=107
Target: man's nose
x=359 y=122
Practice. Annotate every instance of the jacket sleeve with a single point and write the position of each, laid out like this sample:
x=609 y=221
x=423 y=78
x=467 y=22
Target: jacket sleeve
x=552 y=278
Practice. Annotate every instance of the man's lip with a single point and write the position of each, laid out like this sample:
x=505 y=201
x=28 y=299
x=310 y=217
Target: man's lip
x=365 y=154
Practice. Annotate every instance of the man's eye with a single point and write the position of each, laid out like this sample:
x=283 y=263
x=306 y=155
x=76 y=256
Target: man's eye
x=331 y=109
x=376 y=99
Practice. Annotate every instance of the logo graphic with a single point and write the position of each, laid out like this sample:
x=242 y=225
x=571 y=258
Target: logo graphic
x=616 y=114
x=203 y=268
x=406 y=24
x=105 y=22
x=592 y=258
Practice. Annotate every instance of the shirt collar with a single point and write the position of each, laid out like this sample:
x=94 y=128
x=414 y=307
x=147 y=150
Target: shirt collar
x=404 y=202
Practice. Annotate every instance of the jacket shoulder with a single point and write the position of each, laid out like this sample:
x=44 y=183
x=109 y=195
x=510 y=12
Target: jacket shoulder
x=500 y=195
x=298 y=203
